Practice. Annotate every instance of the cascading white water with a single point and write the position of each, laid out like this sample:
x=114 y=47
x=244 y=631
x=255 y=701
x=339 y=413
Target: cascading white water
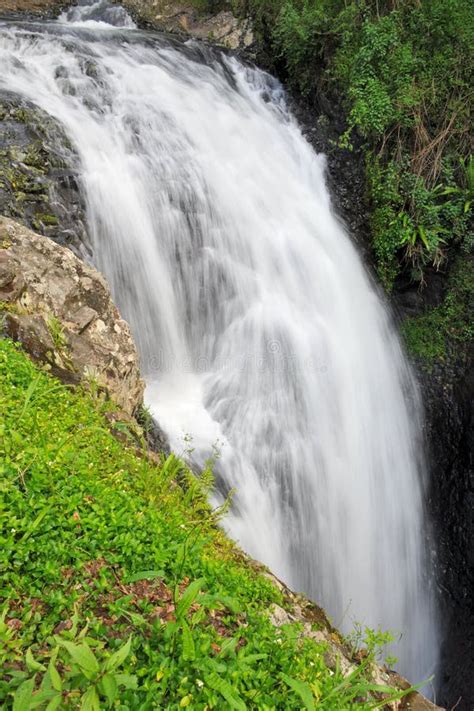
x=257 y=325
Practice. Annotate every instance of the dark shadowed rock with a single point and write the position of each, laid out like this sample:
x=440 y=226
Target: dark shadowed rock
x=38 y=174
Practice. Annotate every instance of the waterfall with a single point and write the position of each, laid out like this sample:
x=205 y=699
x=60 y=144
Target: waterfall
x=259 y=330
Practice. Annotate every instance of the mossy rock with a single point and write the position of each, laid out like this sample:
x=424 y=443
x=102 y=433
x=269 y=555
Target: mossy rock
x=449 y=326
x=38 y=184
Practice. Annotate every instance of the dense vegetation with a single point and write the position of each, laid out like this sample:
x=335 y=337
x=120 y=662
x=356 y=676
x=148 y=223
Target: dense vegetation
x=405 y=72
x=118 y=589
x=448 y=326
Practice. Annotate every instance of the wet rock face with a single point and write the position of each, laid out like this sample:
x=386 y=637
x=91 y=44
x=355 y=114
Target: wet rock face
x=38 y=184
x=221 y=28
x=62 y=312
x=322 y=123
x=448 y=394
x=35 y=8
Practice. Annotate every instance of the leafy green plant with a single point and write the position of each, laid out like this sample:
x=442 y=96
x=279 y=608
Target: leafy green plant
x=56 y=330
x=60 y=341
x=429 y=335
x=406 y=88
x=119 y=587
x=77 y=672
x=367 y=642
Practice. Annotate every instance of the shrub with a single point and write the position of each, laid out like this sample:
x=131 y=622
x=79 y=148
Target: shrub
x=402 y=69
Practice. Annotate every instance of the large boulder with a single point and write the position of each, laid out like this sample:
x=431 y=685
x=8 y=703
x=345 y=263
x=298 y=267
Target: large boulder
x=62 y=312
x=221 y=27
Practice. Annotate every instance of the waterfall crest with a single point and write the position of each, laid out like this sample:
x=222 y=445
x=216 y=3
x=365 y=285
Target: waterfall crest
x=258 y=328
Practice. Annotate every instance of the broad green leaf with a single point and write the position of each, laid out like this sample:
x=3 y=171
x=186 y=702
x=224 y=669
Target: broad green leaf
x=82 y=655
x=54 y=703
x=90 y=700
x=379 y=688
x=223 y=687
x=35 y=524
x=180 y=554
x=22 y=698
x=118 y=658
x=251 y=658
x=231 y=603
x=422 y=234
x=228 y=646
x=41 y=696
x=75 y=620
x=29 y=393
x=56 y=682
x=18 y=675
x=109 y=687
x=450 y=191
x=145 y=575
x=138 y=620
x=302 y=689
x=189 y=651
x=189 y=596
x=212 y=664
x=129 y=681
x=31 y=662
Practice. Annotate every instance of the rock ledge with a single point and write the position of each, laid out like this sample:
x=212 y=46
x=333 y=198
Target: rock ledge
x=62 y=312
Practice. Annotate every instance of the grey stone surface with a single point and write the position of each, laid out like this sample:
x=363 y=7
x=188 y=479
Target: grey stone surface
x=62 y=312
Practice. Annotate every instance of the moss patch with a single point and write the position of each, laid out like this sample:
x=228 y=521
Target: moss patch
x=429 y=335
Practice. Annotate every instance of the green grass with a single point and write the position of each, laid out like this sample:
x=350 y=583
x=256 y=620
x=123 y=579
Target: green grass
x=119 y=590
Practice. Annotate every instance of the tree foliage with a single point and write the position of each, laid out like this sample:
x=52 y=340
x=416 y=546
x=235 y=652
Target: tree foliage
x=405 y=72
